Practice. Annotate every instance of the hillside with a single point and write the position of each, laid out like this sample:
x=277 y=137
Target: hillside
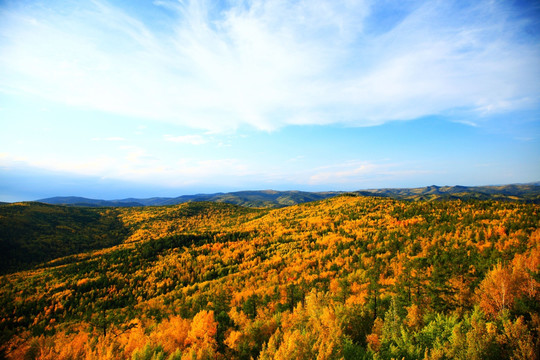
x=514 y=192
x=347 y=277
x=32 y=233
x=258 y=199
x=277 y=199
x=81 y=201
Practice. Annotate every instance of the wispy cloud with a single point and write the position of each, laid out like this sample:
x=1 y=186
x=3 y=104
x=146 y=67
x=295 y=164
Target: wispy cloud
x=186 y=139
x=268 y=64
x=466 y=122
x=361 y=172
x=111 y=138
x=136 y=164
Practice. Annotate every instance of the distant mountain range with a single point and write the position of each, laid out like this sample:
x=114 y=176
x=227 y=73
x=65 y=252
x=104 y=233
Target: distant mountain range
x=263 y=198
x=275 y=199
x=514 y=192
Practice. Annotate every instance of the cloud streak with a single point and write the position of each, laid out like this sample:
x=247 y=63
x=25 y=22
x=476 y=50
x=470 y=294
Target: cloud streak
x=186 y=139
x=270 y=64
x=362 y=172
x=136 y=165
x=111 y=138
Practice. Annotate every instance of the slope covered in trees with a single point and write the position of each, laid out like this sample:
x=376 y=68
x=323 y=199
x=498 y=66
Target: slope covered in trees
x=513 y=192
x=32 y=233
x=348 y=277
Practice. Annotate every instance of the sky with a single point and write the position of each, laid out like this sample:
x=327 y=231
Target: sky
x=121 y=98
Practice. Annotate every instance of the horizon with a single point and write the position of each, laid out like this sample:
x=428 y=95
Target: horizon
x=112 y=100
x=534 y=183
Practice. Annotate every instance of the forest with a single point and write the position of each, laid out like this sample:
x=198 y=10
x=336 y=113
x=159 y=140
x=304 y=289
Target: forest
x=350 y=277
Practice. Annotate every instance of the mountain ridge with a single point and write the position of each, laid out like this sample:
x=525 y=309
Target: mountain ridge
x=529 y=192
x=249 y=198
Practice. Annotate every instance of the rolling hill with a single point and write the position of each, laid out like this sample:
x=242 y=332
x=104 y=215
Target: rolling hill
x=349 y=277
x=277 y=199
x=514 y=192
x=262 y=199
x=81 y=201
x=33 y=233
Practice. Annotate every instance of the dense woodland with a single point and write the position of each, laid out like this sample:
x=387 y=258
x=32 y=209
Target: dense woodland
x=344 y=278
x=31 y=233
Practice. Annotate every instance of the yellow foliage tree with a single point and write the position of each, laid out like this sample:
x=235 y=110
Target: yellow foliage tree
x=201 y=337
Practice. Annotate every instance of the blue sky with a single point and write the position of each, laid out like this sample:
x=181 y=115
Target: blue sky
x=113 y=99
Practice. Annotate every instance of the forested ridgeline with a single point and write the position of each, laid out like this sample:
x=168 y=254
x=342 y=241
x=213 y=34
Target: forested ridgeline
x=529 y=193
x=349 y=277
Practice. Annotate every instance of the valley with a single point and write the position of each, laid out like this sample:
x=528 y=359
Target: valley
x=350 y=277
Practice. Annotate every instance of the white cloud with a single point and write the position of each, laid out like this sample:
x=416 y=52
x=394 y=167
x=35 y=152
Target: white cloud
x=268 y=64
x=111 y=138
x=342 y=173
x=361 y=172
x=466 y=122
x=93 y=166
x=186 y=139
x=135 y=164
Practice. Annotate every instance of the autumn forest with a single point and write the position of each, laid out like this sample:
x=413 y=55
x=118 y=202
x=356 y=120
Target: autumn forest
x=349 y=277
